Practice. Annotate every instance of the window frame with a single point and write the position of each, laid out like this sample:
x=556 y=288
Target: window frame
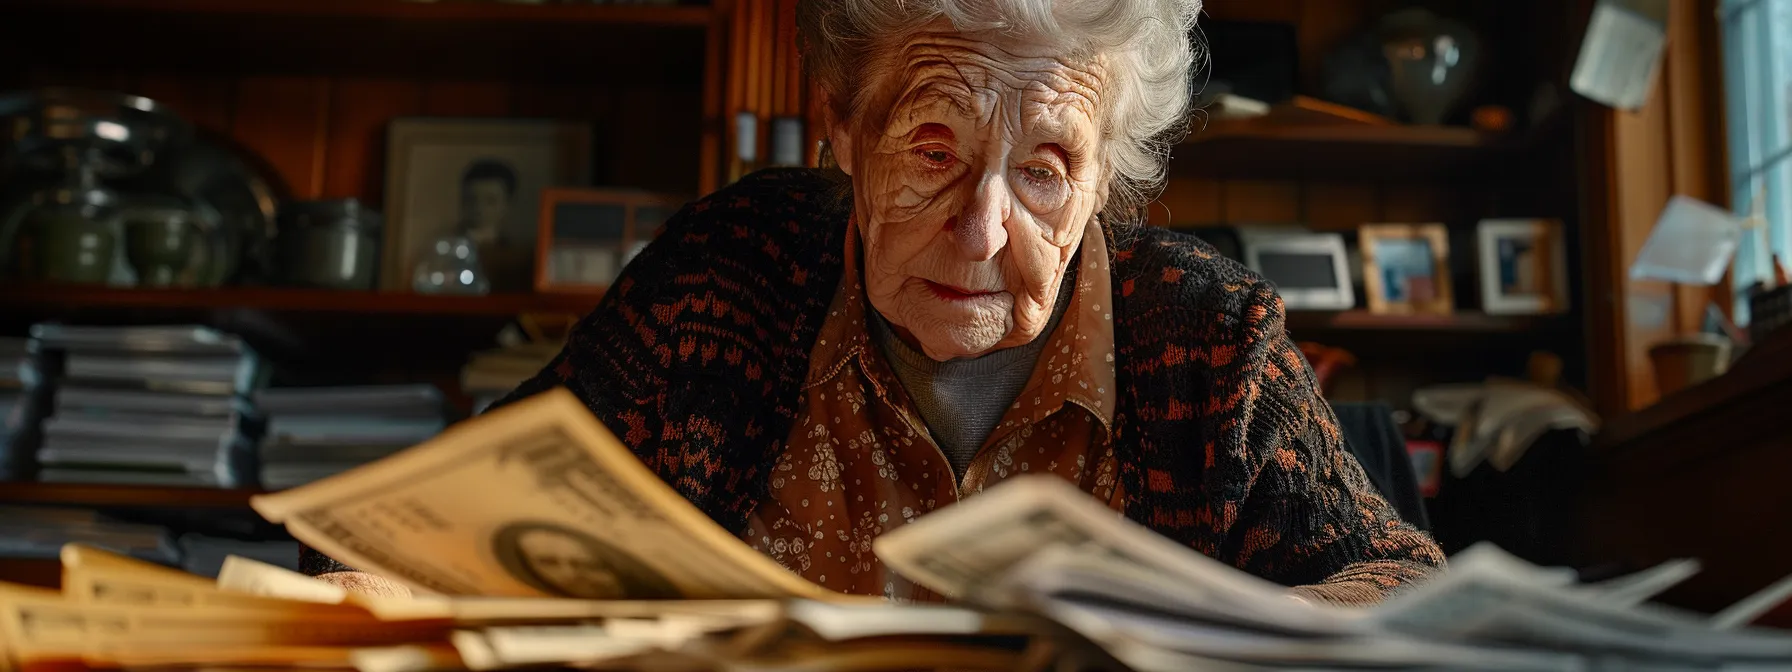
x=1757 y=64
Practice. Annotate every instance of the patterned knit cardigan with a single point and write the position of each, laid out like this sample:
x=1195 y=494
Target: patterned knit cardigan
x=696 y=357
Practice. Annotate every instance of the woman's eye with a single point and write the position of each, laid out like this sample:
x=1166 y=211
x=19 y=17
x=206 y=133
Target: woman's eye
x=935 y=155
x=1039 y=173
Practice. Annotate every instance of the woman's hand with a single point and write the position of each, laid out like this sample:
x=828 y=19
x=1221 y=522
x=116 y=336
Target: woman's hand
x=362 y=583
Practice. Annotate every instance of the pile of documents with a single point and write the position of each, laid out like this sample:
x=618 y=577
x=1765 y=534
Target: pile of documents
x=315 y=432
x=531 y=537
x=162 y=405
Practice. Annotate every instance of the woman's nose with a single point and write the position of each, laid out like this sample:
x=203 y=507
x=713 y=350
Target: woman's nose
x=982 y=229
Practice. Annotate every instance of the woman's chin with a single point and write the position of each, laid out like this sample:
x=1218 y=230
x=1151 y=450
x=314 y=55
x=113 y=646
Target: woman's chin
x=948 y=343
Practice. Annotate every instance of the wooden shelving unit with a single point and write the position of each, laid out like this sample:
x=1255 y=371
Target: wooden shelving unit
x=290 y=300
x=98 y=495
x=1310 y=139
x=405 y=10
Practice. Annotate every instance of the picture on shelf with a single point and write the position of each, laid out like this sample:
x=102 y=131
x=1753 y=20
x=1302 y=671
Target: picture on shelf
x=1524 y=266
x=1406 y=268
x=479 y=181
x=1311 y=270
x=586 y=236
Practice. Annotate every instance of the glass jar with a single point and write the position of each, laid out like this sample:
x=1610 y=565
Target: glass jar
x=330 y=244
x=450 y=266
x=160 y=241
x=73 y=235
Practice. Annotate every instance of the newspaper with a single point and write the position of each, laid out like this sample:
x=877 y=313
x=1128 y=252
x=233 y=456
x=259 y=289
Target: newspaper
x=537 y=499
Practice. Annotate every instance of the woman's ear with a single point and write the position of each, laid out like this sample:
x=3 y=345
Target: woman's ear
x=839 y=140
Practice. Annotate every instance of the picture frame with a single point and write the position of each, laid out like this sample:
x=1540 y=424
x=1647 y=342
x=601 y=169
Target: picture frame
x=1523 y=266
x=1311 y=270
x=480 y=178
x=1406 y=268
x=1427 y=465
x=586 y=236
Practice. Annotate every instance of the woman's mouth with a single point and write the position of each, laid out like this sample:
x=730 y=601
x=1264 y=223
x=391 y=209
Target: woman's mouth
x=954 y=293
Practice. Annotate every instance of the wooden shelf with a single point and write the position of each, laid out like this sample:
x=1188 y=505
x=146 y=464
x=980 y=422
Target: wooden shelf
x=1309 y=139
x=455 y=40
x=276 y=299
x=97 y=495
x=1362 y=320
x=447 y=10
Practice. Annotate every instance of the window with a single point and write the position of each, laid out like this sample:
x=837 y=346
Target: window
x=1757 y=42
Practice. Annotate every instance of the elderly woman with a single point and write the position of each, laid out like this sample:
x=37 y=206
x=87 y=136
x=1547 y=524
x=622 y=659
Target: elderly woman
x=815 y=358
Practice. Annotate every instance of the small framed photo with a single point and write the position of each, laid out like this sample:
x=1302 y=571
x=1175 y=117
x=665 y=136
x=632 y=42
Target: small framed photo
x=586 y=236
x=1524 y=266
x=1427 y=464
x=1311 y=270
x=1406 y=268
x=477 y=178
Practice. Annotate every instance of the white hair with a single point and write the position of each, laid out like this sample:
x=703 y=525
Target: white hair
x=1147 y=46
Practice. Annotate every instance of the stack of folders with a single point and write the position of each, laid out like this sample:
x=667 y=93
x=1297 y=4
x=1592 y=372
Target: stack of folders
x=12 y=398
x=315 y=432
x=145 y=405
x=40 y=533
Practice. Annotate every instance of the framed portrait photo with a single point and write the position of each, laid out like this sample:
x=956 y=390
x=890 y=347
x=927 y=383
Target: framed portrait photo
x=477 y=178
x=586 y=236
x=1310 y=270
x=1406 y=268
x=1524 y=266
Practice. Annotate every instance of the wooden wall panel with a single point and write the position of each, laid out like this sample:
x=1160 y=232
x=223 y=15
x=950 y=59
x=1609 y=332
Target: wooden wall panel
x=551 y=101
x=285 y=122
x=1697 y=135
x=1341 y=207
x=355 y=132
x=1640 y=159
x=649 y=123
x=207 y=102
x=444 y=98
x=1331 y=206
x=1413 y=203
x=1189 y=201
x=1251 y=201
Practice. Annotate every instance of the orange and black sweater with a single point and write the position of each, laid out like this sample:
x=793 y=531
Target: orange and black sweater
x=1223 y=441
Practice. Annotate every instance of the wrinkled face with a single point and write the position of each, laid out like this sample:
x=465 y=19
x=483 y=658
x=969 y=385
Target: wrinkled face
x=973 y=192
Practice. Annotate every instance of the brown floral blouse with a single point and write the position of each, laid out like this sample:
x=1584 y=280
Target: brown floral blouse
x=860 y=461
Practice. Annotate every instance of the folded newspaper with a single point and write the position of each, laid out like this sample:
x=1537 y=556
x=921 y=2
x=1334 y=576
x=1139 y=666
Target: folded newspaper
x=532 y=537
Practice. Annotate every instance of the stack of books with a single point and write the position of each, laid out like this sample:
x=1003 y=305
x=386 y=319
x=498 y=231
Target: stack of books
x=12 y=397
x=315 y=432
x=144 y=405
x=41 y=532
